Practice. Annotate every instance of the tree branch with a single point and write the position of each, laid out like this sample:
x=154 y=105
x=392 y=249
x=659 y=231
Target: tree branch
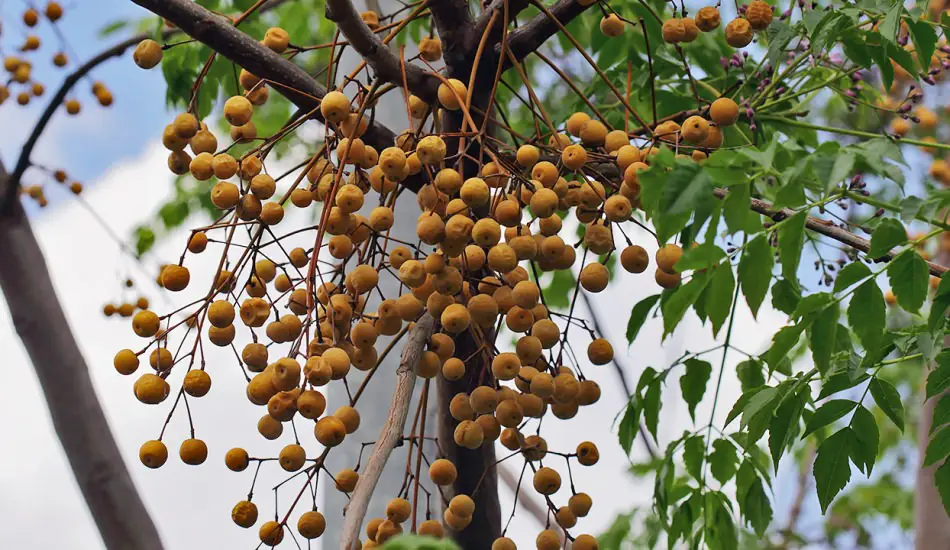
x=77 y=417
x=376 y=54
x=525 y=39
x=390 y=435
x=827 y=229
x=456 y=27
x=285 y=77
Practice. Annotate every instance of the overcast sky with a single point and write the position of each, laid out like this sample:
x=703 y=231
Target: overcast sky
x=115 y=153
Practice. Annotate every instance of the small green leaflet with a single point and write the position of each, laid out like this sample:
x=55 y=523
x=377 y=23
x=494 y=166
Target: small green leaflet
x=909 y=276
x=850 y=274
x=693 y=450
x=736 y=211
x=832 y=469
x=822 y=337
x=888 y=234
x=887 y=398
x=693 y=383
x=941 y=303
x=719 y=296
x=723 y=461
x=629 y=425
x=782 y=342
x=867 y=436
x=888 y=28
x=639 y=315
x=866 y=313
x=939 y=379
x=784 y=425
x=942 y=480
x=750 y=374
x=755 y=272
x=682 y=298
x=941 y=414
x=924 y=37
x=785 y=297
x=758 y=509
x=791 y=237
x=938 y=448
x=828 y=413
x=417 y=542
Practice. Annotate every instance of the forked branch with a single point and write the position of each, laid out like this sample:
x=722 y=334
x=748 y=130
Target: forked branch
x=390 y=435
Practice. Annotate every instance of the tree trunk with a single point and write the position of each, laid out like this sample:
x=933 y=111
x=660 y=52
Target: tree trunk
x=931 y=523
x=80 y=424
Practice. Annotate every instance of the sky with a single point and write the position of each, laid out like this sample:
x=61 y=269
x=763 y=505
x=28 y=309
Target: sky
x=115 y=153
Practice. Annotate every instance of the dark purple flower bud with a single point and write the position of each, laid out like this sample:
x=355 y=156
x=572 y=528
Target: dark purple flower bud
x=902 y=40
x=856 y=76
x=786 y=14
x=850 y=93
x=904 y=108
x=879 y=213
x=752 y=127
x=724 y=61
x=929 y=80
x=914 y=119
x=749 y=113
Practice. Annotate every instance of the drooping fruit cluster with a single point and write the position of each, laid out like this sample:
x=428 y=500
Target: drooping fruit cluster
x=304 y=309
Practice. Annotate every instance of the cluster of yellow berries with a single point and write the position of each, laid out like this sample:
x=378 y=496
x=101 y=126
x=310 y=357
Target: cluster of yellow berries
x=739 y=31
x=37 y=191
x=19 y=69
x=478 y=230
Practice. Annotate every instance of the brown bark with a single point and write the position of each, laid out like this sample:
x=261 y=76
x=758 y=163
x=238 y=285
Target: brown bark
x=78 y=419
x=477 y=474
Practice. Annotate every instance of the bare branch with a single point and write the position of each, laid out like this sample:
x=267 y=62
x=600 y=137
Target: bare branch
x=828 y=229
x=390 y=435
x=376 y=54
x=456 y=27
x=78 y=419
x=288 y=79
x=524 y=40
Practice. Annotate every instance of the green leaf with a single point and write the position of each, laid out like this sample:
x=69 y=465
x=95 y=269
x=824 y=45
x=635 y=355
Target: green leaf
x=758 y=509
x=693 y=450
x=924 y=37
x=868 y=439
x=638 y=316
x=942 y=480
x=866 y=314
x=888 y=234
x=779 y=34
x=828 y=413
x=832 y=469
x=750 y=374
x=785 y=297
x=693 y=383
x=682 y=191
x=939 y=379
x=736 y=210
x=680 y=300
x=719 y=296
x=909 y=278
x=941 y=303
x=763 y=402
x=783 y=342
x=629 y=425
x=762 y=158
x=791 y=236
x=784 y=425
x=891 y=23
x=700 y=257
x=651 y=407
x=755 y=272
x=887 y=398
x=850 y=274
x=822 y=337
x=941 y=414
x=723 y=461
x=111 y=28
x=144 y=239
x=739 y=406
x=418 y=542
x=938 y=448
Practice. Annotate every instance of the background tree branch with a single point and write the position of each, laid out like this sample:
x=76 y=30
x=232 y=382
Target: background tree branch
x=456 y=27
x=78 y=419
x=376 y=54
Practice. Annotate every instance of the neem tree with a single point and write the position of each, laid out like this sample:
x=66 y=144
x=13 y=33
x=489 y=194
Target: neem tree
x=542 y=138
